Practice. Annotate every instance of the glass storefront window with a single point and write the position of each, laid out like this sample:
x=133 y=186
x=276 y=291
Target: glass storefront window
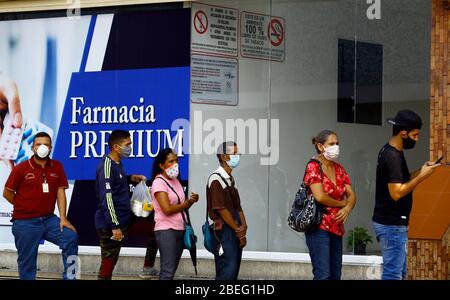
x=290 y=69
x=346 y=66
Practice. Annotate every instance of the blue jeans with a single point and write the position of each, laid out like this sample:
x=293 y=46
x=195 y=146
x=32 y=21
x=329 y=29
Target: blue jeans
x=229 y=263
x=28 y=233
x=393 y=240
x=325 y=250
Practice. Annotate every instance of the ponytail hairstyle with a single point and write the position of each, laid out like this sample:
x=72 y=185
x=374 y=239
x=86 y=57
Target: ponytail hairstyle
x=321 y=138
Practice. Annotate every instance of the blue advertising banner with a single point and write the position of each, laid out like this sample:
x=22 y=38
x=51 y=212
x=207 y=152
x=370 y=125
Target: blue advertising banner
x=126 y=71
x=145 y=102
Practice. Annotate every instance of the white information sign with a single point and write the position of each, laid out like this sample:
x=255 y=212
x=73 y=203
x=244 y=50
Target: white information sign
x=214 y=80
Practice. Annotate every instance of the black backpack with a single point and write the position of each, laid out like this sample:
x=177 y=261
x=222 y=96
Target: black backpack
x=306 y=212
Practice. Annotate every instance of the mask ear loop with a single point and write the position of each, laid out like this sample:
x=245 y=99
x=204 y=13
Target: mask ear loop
x=406 y=134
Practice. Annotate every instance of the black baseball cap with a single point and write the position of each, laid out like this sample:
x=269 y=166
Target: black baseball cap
x=406 y=118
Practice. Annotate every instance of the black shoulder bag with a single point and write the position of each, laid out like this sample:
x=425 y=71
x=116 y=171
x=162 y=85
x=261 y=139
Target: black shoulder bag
x=306 y=212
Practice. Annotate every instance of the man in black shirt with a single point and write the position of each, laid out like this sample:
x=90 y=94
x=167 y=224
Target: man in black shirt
x=393 y=196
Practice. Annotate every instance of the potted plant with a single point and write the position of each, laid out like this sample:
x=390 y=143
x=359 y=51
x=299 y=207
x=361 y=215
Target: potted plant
x=357 y=240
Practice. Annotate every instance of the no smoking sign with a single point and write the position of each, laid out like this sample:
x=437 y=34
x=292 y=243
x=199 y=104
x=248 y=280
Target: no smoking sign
x=275 y=32
x=214 y=30
x=262 y=36
x=200 y=22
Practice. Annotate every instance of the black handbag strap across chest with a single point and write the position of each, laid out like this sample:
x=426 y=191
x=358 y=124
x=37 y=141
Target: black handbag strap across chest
x=188 y=221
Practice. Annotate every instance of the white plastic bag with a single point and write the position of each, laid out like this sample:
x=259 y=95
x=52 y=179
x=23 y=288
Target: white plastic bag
x=141 y=200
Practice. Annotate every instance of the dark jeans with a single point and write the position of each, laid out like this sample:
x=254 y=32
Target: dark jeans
x=27 y=235
x=171 y=245
x=325 y=250
x=227 y=264
x=110 y=249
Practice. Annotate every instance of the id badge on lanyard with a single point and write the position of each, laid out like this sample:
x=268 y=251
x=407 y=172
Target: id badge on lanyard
x=45 y=185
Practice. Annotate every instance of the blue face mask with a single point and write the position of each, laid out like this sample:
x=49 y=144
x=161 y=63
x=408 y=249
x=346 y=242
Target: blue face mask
x=234 y=160
x=126 y=151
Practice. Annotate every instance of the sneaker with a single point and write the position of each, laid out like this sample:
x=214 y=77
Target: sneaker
x=148 y=272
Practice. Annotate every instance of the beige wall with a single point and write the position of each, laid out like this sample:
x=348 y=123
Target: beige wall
x=27 y=5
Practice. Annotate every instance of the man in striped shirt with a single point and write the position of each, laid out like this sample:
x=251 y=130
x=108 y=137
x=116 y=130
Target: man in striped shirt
x=112 y=218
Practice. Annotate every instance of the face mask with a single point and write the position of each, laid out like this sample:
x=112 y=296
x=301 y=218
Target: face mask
x=126 y=151
x=234 y=161
x=408 y=143
x=172 y=171
x=42 y=151
x=331 y=152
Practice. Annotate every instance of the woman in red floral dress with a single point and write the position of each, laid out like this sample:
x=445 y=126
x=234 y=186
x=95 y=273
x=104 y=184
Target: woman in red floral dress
x=332 y=189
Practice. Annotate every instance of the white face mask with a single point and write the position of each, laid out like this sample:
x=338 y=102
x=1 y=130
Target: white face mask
x=42 y=151
x=331 y=152
x=173 y=171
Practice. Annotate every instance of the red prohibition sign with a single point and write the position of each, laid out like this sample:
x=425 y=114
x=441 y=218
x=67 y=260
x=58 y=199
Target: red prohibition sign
x=275 y=32
x=200 y=22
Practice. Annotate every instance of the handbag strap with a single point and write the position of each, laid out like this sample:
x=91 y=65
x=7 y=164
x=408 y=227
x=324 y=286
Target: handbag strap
x=320 y=166
x=179 y=202
x=226 y=183
x=238 y=218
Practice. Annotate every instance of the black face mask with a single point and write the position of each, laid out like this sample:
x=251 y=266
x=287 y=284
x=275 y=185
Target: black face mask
x=408 y=143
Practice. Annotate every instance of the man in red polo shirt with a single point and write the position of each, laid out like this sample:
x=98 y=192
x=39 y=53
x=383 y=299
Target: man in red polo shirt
x=33 y=188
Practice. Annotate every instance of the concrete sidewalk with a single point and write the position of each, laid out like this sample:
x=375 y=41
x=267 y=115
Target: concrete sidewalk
x=13 y=275
x=255 y=265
